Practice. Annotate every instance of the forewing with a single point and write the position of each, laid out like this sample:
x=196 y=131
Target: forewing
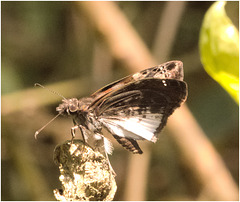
x=168 y=70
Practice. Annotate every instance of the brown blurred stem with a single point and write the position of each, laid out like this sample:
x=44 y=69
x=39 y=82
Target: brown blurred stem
x=36 y=97
x=126 y=46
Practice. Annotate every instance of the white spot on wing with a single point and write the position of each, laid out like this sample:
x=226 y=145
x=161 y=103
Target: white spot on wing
x=118 y=130
x=135 y=127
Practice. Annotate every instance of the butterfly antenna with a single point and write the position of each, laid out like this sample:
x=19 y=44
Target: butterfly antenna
x=38 y=131
x=54 y=92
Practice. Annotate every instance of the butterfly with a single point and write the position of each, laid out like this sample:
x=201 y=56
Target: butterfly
x=133 y=108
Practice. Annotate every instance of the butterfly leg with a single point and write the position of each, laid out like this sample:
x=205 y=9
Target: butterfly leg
x=73 y=129
x=82 y=132
x=81 y=129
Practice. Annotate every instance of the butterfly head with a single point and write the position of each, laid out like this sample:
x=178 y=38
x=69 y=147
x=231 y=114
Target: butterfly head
x=73 y=105
x=68 y=106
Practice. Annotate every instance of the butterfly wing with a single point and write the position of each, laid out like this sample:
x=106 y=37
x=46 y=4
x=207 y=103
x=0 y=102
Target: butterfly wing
x=137 y=107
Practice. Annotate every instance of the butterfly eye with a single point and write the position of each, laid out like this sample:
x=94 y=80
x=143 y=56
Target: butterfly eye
x=73 y=106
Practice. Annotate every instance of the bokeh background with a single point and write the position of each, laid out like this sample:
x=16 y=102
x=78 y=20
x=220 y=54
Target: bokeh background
x=62 y=46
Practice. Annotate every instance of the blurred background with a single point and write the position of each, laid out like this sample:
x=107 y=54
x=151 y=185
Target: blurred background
x=72 y=48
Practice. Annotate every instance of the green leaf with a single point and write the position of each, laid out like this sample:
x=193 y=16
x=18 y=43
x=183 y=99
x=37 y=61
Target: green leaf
x=219 y=48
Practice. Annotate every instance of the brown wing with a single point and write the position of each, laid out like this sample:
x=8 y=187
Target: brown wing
x=137 y=107
x=168 y=70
